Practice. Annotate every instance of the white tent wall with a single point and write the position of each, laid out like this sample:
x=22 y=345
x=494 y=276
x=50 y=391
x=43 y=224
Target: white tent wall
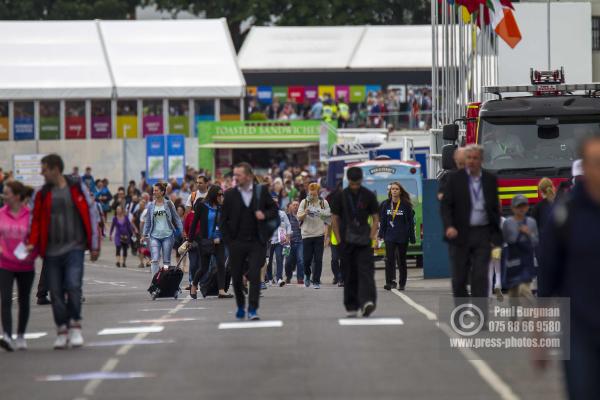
x=568 y=21
x=52 y=60
x=106 y=157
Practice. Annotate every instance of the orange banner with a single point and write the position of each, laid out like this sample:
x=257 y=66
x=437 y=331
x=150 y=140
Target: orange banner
x=3 y=128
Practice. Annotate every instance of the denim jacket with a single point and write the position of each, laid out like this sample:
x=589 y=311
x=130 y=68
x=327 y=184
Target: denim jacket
x=172 y=218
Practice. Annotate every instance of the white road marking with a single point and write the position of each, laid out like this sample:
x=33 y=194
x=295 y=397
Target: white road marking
x=430 y=315
x=483 y=369
x=91 y=386
x=127 y=341
x=85 y=376
x=370 y=321
x=170 y=309
x=160 y=320
x=33 y=335
x=250 y=324
x=133 y=329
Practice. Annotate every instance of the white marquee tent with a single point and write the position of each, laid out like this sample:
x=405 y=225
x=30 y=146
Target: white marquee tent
x=122 y=59
x=335 y=48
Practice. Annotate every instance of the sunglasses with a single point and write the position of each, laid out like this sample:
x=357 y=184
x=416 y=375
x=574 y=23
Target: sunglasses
x=219 y=194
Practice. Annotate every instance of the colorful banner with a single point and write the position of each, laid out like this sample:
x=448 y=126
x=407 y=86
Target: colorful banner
x=3 y=128
x=152 y=125
x=179 y=125
x=251 y=91
x=201 y=118
x=23 y=128
x=155 y=158
x=49 y=128
x=75 y=127
x=342 y=92
x=127 y=127
x=101 y=127
x=327 y=89
x=373 y=89
x=265 y=94
x=176 y=157
x=280 y=93
x=296 y=93
x=311 y=93
x=358 y=93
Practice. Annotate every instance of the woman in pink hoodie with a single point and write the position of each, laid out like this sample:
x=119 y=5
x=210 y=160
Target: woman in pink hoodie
x=14 y=223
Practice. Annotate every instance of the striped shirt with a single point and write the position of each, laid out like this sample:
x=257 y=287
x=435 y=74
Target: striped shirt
x=296 y=233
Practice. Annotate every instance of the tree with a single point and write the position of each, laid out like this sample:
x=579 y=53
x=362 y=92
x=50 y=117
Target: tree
x=67 y=9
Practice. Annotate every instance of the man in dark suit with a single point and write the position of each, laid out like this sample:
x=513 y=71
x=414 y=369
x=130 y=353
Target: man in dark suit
x=471 y=219
x=246 y=208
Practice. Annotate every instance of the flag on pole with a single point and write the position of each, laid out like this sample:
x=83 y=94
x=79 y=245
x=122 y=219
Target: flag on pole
x=504 y=23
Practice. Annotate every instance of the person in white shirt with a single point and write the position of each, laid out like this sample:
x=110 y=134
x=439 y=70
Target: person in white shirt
x=202 y=184
x=315 y=215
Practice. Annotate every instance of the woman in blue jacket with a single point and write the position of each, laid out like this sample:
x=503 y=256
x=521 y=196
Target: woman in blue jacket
x=396 y=229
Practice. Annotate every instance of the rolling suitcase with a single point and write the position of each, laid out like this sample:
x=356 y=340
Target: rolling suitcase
x=211 y=286
x=165 y=282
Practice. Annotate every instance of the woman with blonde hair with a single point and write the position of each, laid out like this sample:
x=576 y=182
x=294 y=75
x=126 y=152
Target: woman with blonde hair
x=315 y=215
x=542 y=210
x=396 y=229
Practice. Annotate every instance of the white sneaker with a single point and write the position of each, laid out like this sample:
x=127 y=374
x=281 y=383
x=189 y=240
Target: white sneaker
x=75 y=337
x=352 y=314
x=62 y=339
x=281 y=283
x=7 y=343
x=21 y=343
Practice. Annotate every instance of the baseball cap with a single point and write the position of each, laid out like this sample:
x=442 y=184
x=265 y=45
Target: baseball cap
x=519 y=200
x=577 y=168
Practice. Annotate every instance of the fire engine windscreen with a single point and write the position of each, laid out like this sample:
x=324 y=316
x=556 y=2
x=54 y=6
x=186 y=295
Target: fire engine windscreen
x=521 y=143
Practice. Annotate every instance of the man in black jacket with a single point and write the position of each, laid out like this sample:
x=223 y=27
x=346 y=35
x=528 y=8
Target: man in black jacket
x=471 y=219
x=246 y=210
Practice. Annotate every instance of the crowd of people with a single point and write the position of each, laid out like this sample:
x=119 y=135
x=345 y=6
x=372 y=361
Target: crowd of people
x=382 y=109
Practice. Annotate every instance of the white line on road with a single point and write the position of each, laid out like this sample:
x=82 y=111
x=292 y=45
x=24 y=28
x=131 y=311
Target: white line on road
x=127 y=341
x=370 y=321
x=99 y=375
x=33 y=335
x=250 y=324
x=133 y=329
x=91 y=386
x=170 y=309
x=430 y=315
x=160 y=320
x=483 y=369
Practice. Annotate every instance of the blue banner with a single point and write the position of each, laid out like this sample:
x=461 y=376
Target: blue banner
x=23 y=128
x=265 y=94
x=176 y=157
x=373 y=89
x=155 y=159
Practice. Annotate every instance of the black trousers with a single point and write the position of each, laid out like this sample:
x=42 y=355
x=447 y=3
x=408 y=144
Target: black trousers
x=336 y=264
x=313 y=250
x=24 y=284
x=205 y=264
x=42 y=289
x=359 y=276
x=250 y=255
x=395 y=254
x=472 y=259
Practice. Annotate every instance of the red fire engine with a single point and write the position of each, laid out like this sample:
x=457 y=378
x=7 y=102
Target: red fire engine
x=529 y=131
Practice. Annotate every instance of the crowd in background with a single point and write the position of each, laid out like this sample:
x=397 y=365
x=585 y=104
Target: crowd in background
x=379 y=110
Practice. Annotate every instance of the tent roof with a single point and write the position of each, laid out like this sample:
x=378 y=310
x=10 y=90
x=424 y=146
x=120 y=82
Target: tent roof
x=41 y=60
x=299 y=48
x=170 y=58
x=336 y=48
x=128 y=59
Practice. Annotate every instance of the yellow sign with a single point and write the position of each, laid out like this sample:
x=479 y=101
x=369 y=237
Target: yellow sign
x=327 y=89
x=3 y=128
x=127 y=126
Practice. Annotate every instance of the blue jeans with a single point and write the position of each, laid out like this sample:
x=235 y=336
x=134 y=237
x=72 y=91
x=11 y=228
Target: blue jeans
x=156 y=245
x=295 y=261
x=279 y=259
x=64 y=275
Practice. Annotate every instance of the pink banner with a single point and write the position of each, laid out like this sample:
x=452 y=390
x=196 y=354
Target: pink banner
x=153 y=125
x=101 y=127
x=311 y=93
x=342 y=92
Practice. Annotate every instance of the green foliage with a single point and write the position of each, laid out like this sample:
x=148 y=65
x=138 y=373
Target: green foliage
x=67 y=9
